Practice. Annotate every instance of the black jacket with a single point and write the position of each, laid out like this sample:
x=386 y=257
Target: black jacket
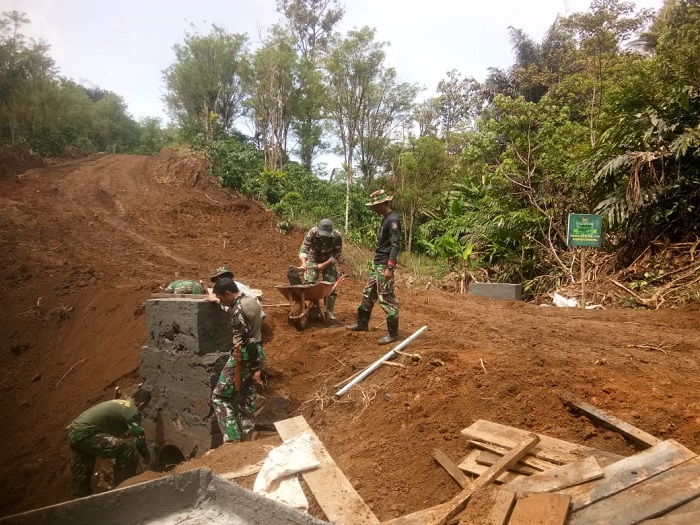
x=389 y=242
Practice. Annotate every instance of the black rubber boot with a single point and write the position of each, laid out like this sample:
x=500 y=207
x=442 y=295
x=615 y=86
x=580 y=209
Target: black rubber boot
x=393 y=335
x=362 y=324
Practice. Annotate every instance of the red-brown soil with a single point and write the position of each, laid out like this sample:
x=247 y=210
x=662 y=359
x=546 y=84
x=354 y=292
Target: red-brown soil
x=85 y=243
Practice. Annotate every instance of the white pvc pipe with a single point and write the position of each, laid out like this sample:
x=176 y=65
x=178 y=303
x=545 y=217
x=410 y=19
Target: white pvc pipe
x=371 y=368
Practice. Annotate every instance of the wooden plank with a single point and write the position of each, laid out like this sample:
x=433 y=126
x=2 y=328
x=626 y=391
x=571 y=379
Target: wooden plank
x=541 y=509
x=469 y=464
x=456 y=504
x=608 y=420
x=243 y=471
x=628 y=472
x=488 y=458
x=500 y=512
x=451 y=468
x=647 y=499
x=691 y=506
x=335 y=495
x=685 y=518
x=529 y=461
x=562 y=477
x=480 y=509
x=550 y=449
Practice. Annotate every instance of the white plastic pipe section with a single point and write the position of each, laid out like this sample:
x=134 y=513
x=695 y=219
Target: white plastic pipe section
x=371 y=368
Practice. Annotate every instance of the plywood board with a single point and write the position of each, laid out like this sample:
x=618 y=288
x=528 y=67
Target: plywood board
x=550 y=449
x=541 y=509
x=335 y=495
x=561 y=477
x=650 y=498
x=628 y=472
x=500 y=512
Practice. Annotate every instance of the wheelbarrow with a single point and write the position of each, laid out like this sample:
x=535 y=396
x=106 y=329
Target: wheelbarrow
x=305 y=301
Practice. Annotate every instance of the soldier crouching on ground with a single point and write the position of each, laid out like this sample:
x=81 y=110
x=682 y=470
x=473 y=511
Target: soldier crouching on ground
x=100 y=432
x=319 y=255
x=234 y=394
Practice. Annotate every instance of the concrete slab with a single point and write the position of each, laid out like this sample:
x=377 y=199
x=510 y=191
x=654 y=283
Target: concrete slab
x=194 y=497
x=497 y=291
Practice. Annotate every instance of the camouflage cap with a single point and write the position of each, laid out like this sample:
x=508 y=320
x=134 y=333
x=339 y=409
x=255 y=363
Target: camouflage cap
x=378 y=197
x=221 y=271
x=325 y=228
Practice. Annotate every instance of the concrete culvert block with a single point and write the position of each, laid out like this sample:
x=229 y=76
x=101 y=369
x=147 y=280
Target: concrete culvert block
x=169 y=457
x=187 y=325
x=498 y=291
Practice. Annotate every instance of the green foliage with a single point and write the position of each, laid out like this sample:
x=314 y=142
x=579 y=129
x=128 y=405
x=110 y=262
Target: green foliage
x=204 y=85
x=234 y=162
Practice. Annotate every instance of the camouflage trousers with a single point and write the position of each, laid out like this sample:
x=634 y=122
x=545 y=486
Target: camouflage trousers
x=380 y=288
x=330 y=275
x=235 y=410
x=87 y=446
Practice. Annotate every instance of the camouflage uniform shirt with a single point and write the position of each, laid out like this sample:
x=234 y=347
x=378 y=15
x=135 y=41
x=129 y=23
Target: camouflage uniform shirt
x=115 y=417
x=319 y=249
x=247 y=330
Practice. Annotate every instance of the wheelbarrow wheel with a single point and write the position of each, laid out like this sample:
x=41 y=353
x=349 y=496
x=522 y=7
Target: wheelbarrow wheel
x=295 y=315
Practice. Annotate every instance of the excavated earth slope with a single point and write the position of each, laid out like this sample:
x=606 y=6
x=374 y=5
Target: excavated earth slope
x=85 y=243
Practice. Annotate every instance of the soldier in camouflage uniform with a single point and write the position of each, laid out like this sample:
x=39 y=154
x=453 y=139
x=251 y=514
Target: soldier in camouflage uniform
x=234 y=403
x=100 y=432
x=319 y=255
x=381 y=277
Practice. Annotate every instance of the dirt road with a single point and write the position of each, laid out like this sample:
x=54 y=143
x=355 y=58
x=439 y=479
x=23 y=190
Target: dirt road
x=84 y=244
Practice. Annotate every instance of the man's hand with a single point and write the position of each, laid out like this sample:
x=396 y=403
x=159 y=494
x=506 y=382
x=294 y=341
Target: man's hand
x=388 y=273
x=257 y=378
x=303 y=264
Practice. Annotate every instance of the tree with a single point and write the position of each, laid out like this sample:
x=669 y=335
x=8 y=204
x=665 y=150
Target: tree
x=600 y=35
x=272 y=95
x=25 y=67
x=204 y=85
x=425 y=114
x=312 y=23
x=353 y=65
x=387 y=107
x=460 y=101
x=421 y=176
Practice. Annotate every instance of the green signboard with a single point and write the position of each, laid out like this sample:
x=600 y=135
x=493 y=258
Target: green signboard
x=585 y=230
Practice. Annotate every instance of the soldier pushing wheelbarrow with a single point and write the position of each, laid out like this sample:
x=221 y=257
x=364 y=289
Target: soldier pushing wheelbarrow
x=319 y=255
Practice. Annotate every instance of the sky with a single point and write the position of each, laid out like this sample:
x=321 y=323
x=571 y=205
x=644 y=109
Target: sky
x=124 y=45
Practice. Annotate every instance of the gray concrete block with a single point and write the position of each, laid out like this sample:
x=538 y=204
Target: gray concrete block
x=498 y=291
x=187 y=325
x=161 y=367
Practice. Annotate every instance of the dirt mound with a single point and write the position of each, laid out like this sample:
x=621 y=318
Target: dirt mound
x=15 y=160
x=86 y=242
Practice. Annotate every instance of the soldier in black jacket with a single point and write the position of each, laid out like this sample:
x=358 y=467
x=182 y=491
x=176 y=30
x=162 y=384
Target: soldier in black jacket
x=381 y=282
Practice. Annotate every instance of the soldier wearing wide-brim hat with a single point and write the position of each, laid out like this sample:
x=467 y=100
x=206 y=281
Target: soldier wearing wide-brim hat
x=381 y=282
x=221 y=271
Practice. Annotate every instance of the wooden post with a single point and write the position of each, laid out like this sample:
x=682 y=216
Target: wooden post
x=583 y=278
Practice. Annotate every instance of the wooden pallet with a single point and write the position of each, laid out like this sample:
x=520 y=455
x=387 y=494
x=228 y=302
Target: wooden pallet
x=554 y=482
